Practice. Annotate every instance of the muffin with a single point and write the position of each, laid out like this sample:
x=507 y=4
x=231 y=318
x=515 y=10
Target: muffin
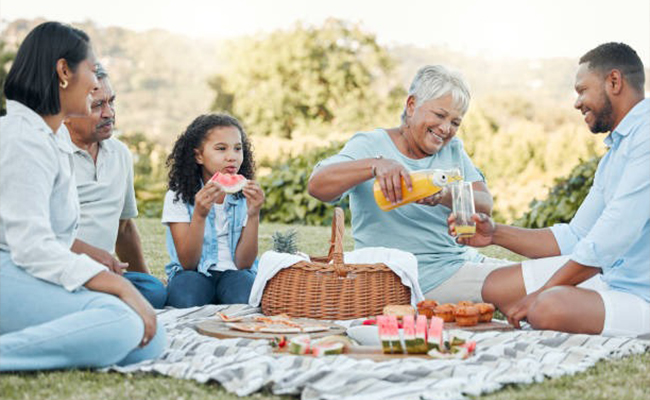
x=399 y=310
x=465 y=303
x=466 y=315
x=445 y=311
x=426 y=308
x=485 y=311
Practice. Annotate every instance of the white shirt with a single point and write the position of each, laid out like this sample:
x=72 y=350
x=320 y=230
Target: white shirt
x=222 y=228
x=177 y=211
x=106 y=192
x=39 y=207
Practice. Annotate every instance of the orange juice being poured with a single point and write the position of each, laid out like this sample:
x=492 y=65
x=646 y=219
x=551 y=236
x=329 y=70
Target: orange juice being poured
x=426 y=182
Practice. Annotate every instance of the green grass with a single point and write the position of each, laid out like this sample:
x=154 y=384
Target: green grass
x=628 y=378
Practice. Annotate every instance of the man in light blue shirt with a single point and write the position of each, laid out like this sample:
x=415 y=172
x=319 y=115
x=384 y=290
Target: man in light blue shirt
x=593 y=274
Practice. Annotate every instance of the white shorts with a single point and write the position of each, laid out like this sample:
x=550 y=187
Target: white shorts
x=625 y=313
x=467 y=282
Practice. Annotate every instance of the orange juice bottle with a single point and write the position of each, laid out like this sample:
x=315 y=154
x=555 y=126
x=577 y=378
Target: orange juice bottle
x=426 y=182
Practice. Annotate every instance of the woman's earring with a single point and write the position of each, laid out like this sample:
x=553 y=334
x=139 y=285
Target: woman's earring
x=63 y=84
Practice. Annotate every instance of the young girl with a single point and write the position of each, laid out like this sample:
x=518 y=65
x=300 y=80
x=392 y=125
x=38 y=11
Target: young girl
x=211 y=235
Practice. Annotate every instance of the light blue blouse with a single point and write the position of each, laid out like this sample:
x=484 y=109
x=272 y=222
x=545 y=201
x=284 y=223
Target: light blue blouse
x=419 y=229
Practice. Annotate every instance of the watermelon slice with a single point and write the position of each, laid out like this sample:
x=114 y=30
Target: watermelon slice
x=382 y=325
x=393 y=334
x=299 y=345
x=421 y=335
x=435 y=334
x=326 y=349
x=409 y=334
x=470 y=346
x=231 y=183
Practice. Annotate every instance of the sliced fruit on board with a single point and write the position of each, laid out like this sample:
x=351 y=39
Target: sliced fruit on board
x=435 y=333
x=325 y=349
x=299 y=345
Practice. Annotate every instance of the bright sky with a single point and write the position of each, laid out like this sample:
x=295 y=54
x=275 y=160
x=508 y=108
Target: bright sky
x=514 y=28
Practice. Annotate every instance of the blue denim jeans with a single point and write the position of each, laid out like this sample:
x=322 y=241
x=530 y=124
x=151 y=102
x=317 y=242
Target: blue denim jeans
x=43 y=326
x=191 y=288
x=151 y=288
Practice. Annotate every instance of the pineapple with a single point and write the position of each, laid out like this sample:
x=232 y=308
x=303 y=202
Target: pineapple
x=285 y=242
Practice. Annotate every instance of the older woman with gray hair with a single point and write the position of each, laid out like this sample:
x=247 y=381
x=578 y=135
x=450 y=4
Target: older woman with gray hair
x=426 y=139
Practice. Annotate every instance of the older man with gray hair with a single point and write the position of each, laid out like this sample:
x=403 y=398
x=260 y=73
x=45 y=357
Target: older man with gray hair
x=104 y=175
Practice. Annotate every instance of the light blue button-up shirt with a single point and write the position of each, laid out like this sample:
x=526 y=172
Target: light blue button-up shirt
x=611 y=229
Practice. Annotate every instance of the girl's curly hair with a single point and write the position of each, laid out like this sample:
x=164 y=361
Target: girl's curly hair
x=184 y=172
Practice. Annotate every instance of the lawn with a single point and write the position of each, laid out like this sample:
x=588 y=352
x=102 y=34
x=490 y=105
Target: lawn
x=628 y=378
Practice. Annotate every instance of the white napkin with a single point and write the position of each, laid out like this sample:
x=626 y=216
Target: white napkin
x=403 y=263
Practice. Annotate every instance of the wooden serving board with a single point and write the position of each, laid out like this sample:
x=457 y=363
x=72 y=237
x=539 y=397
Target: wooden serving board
x=219 y=329
x=362 y=352
x=494 y=325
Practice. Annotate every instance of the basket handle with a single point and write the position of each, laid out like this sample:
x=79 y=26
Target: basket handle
x=336 y=242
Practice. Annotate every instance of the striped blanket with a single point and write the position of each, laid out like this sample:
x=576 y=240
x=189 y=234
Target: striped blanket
x=244 y=366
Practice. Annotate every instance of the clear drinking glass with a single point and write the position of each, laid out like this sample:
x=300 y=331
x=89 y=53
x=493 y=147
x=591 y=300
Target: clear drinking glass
x=463 y=208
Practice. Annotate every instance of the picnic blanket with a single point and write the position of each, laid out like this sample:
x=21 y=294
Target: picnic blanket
x=244 y=366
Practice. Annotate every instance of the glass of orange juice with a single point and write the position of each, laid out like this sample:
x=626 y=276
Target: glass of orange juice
x=463 y=208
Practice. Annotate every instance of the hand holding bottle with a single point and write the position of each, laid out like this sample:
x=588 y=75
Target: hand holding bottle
x=422 y=184
x=390 y=174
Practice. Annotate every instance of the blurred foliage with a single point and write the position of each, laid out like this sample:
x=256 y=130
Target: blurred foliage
x=522 y=145
x=149 y=173
x=563 y=199
x=158 y=91
x=307 y=87
x=285 y=187
x=293 y=82
x=5 y=61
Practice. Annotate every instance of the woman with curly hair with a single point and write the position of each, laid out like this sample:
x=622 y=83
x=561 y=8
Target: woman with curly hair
x=211 y=235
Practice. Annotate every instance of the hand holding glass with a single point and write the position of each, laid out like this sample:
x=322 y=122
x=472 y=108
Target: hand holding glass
x=463 y=208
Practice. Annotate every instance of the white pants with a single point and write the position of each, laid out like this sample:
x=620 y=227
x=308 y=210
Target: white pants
x=625 y=313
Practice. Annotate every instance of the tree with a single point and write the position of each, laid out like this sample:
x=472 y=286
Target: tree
x=5 y=60
x=305 y=78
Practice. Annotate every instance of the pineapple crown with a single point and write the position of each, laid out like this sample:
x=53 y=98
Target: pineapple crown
x=285 y=242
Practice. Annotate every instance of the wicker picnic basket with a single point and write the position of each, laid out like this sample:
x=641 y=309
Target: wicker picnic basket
x=326 y=288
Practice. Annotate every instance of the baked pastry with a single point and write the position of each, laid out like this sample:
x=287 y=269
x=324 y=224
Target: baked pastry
x=485 y=311
x=466 y=315
x=445 y=311
x=465 y=303
x=399 y=310
x=426 y=307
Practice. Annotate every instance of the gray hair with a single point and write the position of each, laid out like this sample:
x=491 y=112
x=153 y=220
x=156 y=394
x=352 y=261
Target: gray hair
x=435 y=81
x=101 y=72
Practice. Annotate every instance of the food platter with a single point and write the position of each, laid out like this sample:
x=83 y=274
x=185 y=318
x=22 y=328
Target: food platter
x=246 y=329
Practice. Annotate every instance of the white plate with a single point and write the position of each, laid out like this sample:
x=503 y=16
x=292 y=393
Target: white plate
x=368 y=335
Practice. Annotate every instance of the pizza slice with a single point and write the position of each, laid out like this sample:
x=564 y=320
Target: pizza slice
x=226 y=318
